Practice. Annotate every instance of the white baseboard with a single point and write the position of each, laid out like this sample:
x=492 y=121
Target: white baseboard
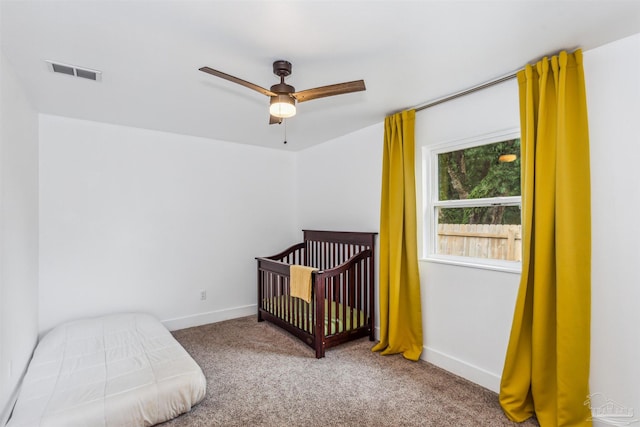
x=463 y=369
x=209 y=317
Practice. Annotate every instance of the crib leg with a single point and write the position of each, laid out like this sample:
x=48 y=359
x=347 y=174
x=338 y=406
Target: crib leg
x=319 y=345
x=260 y=319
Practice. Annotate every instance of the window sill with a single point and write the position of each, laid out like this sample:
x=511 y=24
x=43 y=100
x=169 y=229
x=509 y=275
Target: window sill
x=514 y=267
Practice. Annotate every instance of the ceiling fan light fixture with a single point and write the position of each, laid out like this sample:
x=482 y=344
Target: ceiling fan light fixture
x=282 y=106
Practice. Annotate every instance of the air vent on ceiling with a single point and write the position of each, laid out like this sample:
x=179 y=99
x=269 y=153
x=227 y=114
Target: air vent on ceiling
x=72 y=70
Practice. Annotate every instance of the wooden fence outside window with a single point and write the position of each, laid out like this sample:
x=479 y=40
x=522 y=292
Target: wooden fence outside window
x=492 y=241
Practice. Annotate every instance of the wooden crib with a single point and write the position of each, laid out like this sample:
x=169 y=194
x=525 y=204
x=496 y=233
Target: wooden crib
x=342 y=288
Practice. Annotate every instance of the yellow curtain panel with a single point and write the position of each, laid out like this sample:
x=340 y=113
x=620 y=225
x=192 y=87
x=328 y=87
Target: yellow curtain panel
x=400 y=306
x=546 y=371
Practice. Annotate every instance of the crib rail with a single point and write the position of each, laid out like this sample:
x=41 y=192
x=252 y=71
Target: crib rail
x=291 y=255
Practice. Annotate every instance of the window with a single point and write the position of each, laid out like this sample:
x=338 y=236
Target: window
x=473 y=202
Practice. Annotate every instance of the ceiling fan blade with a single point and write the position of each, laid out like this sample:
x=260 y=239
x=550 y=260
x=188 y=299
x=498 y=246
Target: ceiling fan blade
x=331 y=90
x=274 y=120
x=237 y=80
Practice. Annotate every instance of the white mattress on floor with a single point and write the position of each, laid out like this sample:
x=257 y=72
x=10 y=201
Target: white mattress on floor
x=117 y=370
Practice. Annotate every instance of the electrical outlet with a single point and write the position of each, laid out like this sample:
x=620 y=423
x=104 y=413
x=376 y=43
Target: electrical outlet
x=203 y=295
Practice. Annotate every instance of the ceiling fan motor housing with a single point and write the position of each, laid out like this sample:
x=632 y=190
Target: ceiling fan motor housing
x=282 y=68
x=283 y=88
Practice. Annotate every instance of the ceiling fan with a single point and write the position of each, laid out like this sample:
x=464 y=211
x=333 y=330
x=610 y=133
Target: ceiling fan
x=283 y=96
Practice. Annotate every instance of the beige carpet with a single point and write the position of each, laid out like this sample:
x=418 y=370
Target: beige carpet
x=258 y=375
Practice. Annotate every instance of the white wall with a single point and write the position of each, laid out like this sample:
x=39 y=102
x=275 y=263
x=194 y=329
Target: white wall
x=132 y=219
x=467 y=312
x=18 y=234
x=612 y=74
x=338 y=183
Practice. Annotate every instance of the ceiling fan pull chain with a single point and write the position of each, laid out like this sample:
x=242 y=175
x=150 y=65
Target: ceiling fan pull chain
x=285 y=130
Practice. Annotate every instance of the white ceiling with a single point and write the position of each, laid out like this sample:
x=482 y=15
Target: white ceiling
x=407 y=53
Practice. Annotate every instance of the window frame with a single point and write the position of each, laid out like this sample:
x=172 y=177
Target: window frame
x=431 y=202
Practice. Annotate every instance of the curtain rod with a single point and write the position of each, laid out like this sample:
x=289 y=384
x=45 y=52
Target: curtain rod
x=476 y=88
x=466 y=91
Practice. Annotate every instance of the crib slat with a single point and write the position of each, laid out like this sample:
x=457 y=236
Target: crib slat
x=345 y=302
x=281 y=284
x=295 y=304
x=312 y=315
x=276 y=292
x=362 y=301
x=361 y=298
x=355 y=323
x=287 y=306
